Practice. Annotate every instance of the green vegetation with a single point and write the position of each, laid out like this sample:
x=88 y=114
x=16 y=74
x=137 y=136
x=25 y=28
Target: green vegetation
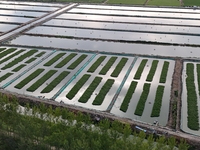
x=96 y=64
x=78 y=86
x=140 y=69
x=18 y=68
x=132 y=2
x=191 y=2
x=54 y=59
x=40 y=54
x=29 y=78
x=40 y=81
x=141 y=103
x=33 y=132
x=105 y=69
x=198 y=76
x=5 y=76
x=164 y=2
x=19 y=59
x=66 y=60
x=55 y=82
x=30 y=60
x=119 y=67
x=88 y=92
x=77 y=62
x=158 y=102
x=163 y=75
x=6 y=52
x=1 y=49
x=152 y=70
x=128 y=96
x=193 y=117
x=11 y=56
x=104 y=90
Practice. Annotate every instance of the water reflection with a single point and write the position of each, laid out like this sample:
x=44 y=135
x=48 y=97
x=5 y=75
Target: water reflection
x=7 y=27
x=9 y=19
x=21 y=13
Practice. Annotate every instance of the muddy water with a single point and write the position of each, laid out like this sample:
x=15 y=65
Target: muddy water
x=7 y=27
x=141 y=8
x=136 y=13
x=151 y=20
x=113 y=47
x=21 y=13
x=122 y=26
x=116 y=35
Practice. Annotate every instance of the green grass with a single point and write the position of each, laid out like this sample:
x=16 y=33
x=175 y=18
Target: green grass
x=164 y=2
x=108 y=65
x=104 y=90
x=54 y=59
x=140 y=69
x=163 y=75
x=18 y=68
x=77 y=62
x=29 y=78
x=141 y=103
x=133 y=2
x=191 y=2
x=88 y=92
x=55 y=82
x=1 y=49
x=19 y=59
x=11 y=56
x=158 y=102
x=66 y=60
x=40 y=54
x=5 y=76
x=30 y=60
x=193 y=117
x=198 y=76
x=119 y=67
x=128 y=96
x=96 y=64
x=6 y=52
x=78 y=86
x=152 y=70
x=40 y=81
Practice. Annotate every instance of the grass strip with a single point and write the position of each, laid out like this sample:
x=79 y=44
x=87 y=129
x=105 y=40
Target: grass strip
x=108 y=65
x=104 y=90
x=5 y=76
x=55 y=82
x=40 y=54
x=30 y=60
x=19 y=59
x=152 y=70
x=29 y=78
x=198 y=76
x=54 y=59
x=128 y=96
x=66 y=60
x=78 y=86
x=1 y=49
x=77 y=62
x=96 y=64
x=11 y=56
x=158 y=101
x=141 y=103
x=119 y=67
x=193 y=117
x=40 y=81
x=88 y=92
x=164 y=72
x=6 y=52
x=140 y=69
x=18 y=68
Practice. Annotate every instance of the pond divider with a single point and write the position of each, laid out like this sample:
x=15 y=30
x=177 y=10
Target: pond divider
x=17 y=77
x=73 y=77
x=121 y=85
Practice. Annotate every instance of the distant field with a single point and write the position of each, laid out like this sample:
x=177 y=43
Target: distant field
x=137 y=2
x=191 y=2
x=164 y=2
